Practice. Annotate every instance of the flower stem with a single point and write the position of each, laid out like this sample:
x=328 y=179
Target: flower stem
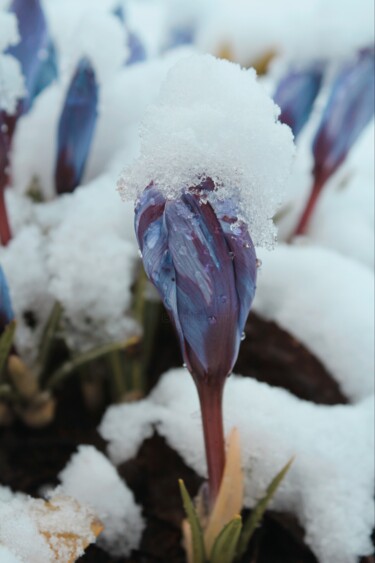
x=309 y=208
x=210 y=398
x=5 y=232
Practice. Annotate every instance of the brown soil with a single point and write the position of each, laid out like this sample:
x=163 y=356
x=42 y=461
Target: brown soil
x=30 y=458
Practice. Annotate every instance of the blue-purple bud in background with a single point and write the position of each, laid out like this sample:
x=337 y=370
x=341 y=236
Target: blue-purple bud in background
x=179 y=36
x=203 y=263
x=76 y=128
x=6 y=311
x=34 y=51
x=137 y=51
x=296 y=94
x=349 y=109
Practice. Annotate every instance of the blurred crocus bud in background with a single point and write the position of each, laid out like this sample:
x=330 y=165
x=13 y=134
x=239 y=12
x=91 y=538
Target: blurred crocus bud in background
x=137 y=51
x=349 y=108
x=76 y=128
x=296 y=94
x=6 y=311
x=35 y=51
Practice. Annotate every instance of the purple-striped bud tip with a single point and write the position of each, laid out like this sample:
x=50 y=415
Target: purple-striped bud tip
x=349 y=109
x=202 y=261
x=76 y=128
x=6 y=311
x=296 y=94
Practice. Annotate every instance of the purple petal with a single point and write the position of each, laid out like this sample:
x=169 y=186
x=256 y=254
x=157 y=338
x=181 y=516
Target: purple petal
x=296 y=94
x=76 y=128
x=349 y=109
x=29 y=51
x=207 y=303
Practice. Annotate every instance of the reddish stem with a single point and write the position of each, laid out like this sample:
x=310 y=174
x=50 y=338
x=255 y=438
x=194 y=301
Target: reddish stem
x=211 y=397
x=309 y=209
x=5 y=232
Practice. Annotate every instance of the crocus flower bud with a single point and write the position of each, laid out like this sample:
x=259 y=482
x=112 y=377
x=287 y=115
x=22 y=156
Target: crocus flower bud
x=76 y=128
x=6 y=311
x=349 y=109
x=38 y=69
x=203 y=263
x=296 y=94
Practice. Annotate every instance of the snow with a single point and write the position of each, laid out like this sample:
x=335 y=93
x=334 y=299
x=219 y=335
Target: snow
x=327 y=488
x=186 y=133
x=108 y=495
x=314 y=29
x=326 y=301
x=33 y=531
x=24 y=264
x=100 y=253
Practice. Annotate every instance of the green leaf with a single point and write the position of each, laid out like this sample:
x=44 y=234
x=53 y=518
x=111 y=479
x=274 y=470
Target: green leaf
x=257 y=514
x=196 y=529
x=72 y=365
x=48 y=340
x=225 y=546
x=6 y=341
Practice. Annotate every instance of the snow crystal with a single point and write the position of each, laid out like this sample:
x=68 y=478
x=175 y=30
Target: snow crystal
x=91 y=479
x=329 y=491
x=7 y=556
x=326 y=301
x=212 y=119
x=24 y=264
x=8 y=30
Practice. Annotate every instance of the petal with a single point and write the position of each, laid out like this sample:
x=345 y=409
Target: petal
x=296 y=94
x=6 y=311
x=76 y=128
x=207 y=300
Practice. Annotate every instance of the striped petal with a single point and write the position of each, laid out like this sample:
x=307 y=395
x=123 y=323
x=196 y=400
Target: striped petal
x=76 y=128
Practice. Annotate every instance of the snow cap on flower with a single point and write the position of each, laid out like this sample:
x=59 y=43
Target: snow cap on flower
x=349 y=109
x=214 y=120
x=6 y=311
x=296 y=94
x=76 y=128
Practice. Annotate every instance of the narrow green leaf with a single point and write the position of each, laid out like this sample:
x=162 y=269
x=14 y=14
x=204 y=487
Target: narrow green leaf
x=6 y=341
x=196 y=529
x=257 y=513
x=225 y=546
x=48 y=340
x=69 y=367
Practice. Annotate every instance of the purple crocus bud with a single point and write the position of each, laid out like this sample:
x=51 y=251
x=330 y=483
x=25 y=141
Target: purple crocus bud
x=137 y=51
x=32 y=48
x=76 y=128
x=5 y=233
x=349 y=109
x=6 y=311
x=296 y=94
x=203 y=263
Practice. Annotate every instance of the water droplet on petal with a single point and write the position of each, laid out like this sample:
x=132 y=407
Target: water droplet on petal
x=243 y=336
x=184 y=365
x=246 y=245
x=212 y=320
x=259 y=263
x=140 y=254
x=223 y=298
x=232 y=255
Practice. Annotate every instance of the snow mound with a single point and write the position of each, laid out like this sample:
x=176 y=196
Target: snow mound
x=108 y=495
x=24 y=264
x=326 y=301
x=213 y=119
x=330 y=485
x=11 y=80
x=33 y=530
